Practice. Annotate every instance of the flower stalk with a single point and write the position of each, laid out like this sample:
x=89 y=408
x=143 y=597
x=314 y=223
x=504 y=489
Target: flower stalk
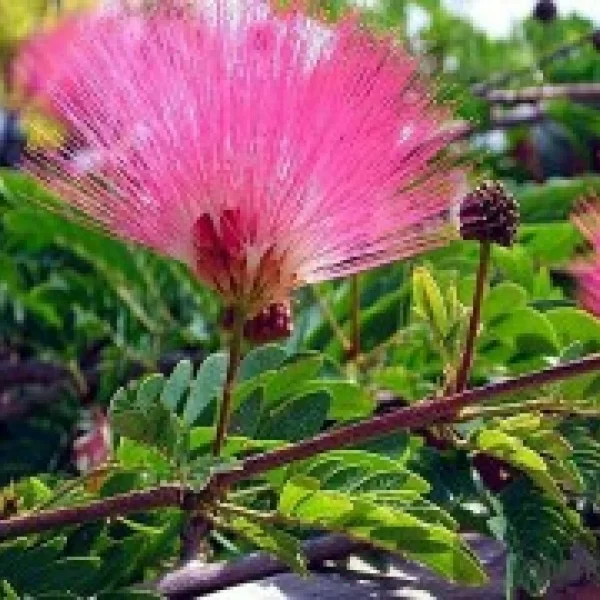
x=464 y=369
x=327 y=313
x=235 y=356
x=354 y=352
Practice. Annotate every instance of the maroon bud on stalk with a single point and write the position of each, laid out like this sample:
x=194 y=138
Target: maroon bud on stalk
x=545 y=11
x=489 y=214
x=274 y=322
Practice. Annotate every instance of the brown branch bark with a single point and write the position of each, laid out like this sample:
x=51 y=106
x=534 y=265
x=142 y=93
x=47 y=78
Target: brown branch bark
x=464 y=130
x=118 y=505
x=530 y=95
x=429 y=412
x=503 y=79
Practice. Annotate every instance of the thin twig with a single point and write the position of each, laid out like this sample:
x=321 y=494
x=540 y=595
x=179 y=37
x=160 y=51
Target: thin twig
x=465 y=129
x=462 y=375
x=423 y=414
x=118 y=505
x=331 y=319
x=549 y=407
x=533 y=94
x=354 y=353
x=429 y=412
x=503 y=79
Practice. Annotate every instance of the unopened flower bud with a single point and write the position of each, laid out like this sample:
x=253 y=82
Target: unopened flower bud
x=273 y=322
x=489 y=214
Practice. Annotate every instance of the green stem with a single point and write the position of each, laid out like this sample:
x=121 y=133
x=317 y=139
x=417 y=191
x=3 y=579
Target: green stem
x=543 y=406
x=249 y=513
x=354 y=352
x=462 y=375
x=331 y=319
x=235 y=355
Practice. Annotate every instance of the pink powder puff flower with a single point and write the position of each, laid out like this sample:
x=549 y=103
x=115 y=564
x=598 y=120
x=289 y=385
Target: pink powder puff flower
x=587 y=270
x=262 y=148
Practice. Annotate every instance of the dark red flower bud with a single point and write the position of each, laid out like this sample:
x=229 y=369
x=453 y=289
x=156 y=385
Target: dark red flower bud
x=489 y=214
x=274 y=322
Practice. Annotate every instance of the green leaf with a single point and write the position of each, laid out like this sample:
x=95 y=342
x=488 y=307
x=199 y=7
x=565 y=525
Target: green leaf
x=272 y=540
x=119 y=482
x=207 y=385
x=119 y=561
x=290 y=377
x=428 y=301
x=380 y=321
x=526 y=321
x=513 y=451
x=260 y=360
x=33 y=491
x=400 y=380
x=142 y=458
x=24 y=572
x=149 y=389
x=121 y=400
x=11 y=554
x=552 y=243
x=246 y=419
x=71 y=573
x=297 y=419
x=554 y=200
x=575 y=325
x=348 y=401
x=8 y=592
x=502 y=299
x=296 y=489
x=585 y=456
x=353 y=470
x=388 y=528
x=538 y=532
x=203 y=467
x=156 y=426
x=177 y=384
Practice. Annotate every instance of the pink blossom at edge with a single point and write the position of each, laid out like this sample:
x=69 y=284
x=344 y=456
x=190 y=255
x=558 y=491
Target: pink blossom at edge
x=587 y=269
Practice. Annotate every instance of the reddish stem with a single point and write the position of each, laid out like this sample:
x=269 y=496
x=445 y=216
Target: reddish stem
x=423 y=414
x=462 y=376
